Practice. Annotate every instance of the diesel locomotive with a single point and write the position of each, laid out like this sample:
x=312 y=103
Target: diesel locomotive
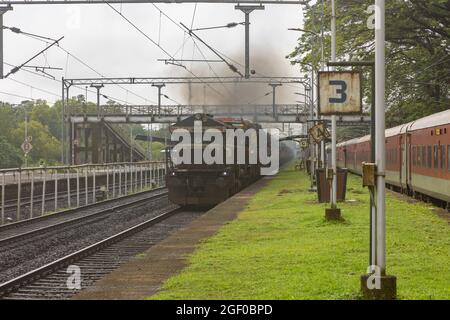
x=201 y=184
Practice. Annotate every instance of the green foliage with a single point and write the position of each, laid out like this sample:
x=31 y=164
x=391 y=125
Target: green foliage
x=417 y=51
x=45 y=145
x=10 y=157
x=281 y=247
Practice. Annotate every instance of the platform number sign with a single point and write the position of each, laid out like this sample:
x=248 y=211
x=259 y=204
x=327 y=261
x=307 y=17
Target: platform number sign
x=340 y=93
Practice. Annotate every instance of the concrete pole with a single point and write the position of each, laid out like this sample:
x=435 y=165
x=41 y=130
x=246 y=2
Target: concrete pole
x=333 y=118
x=380 y=75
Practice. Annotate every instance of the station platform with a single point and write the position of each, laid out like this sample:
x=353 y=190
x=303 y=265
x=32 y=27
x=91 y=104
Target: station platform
x=144 y=275
x=272 y=241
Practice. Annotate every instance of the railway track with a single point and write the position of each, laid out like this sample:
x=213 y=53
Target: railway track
x=52 y=281
x=27 y=229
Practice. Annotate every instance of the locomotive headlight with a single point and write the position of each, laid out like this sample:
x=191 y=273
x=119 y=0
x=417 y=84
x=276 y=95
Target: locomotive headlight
x=172 y=174
x=224 y=174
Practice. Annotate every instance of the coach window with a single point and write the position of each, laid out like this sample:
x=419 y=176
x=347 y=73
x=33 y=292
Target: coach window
x=418 y=155
x=448 y=157
x=435 y=157
x=424 y=156
x=414 y=155
x=429 y=156
x=442 y=151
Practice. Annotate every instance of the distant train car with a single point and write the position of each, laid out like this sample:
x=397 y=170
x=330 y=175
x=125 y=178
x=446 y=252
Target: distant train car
x=417 y=157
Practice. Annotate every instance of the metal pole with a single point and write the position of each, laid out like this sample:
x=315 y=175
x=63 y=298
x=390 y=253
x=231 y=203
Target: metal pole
x=274 y=106
x=373 y=207
x=32 y=194
x=380 y=74
x=44 y=177
x=63 y=133
x=93 y=186
x=3 y=10
x=125 y=179
x=142 y=182
x=107 y=182
x=131 y=143
x=151 y=175
x=86 y=191
x=247 y=9
x=78 y=188
x=114 y=182
x=56 y=190
x=333 y=118
x=120 y=181
x=3 y=198
x=247 y=44
x=19 y=194
x=72 y=134
x=69 y=204
x=26 y=135
x=98 y=87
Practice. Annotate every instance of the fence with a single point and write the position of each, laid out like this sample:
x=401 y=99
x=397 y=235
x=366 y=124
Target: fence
x=31 y=192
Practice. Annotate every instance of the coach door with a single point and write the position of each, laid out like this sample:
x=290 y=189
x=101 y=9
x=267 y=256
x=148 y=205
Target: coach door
x=402 y=161
x=409 y=160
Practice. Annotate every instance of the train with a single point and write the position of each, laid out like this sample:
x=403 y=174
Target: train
x=206 y=185
x=417 y=157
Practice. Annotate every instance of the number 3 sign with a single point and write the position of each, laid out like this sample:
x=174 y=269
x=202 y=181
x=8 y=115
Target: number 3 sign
x=340 y=93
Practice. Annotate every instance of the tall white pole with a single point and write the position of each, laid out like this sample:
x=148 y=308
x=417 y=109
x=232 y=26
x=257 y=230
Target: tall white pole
x=333 y=118
x=380 y=132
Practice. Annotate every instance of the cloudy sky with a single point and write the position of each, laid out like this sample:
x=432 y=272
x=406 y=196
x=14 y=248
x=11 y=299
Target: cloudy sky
x=102 y=39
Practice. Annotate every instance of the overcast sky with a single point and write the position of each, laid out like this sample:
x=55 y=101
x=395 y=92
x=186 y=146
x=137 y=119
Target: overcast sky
x=106 y=42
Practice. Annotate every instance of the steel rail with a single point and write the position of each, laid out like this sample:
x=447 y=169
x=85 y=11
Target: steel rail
x=16 y=283
x=63 y=224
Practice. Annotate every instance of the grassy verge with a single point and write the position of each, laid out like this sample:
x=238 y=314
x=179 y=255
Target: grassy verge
x=281 y=247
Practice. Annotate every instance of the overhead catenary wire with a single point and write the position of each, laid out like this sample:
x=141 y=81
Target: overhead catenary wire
x=43 y=39
x=59 y=82
x=155 y=43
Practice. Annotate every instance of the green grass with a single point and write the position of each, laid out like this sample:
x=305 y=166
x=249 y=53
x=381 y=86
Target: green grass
x=281 y=247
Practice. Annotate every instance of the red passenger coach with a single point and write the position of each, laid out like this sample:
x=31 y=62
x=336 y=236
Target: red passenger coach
x=417 y=157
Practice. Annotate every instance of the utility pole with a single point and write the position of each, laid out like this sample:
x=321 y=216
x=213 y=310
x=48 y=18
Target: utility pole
x=3 y=10
x=159 y=86
x=247 y=10
x=274 y=105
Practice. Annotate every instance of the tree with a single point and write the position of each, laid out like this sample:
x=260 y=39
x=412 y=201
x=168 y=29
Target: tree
x=8 y=120
x=10 y=157
x=45 y=145
x=417 y=50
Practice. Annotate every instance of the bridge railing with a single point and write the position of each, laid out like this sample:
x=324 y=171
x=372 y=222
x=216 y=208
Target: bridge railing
x=181 y=110
x=31 y=192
